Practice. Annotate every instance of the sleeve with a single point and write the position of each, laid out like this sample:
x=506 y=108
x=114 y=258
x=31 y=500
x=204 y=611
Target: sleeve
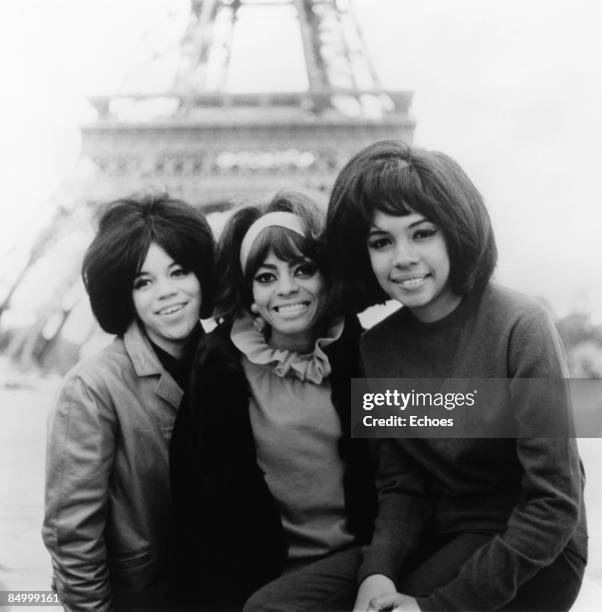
x=79 y=459
x=548 y=511
x=404 y=509
x=404 y=512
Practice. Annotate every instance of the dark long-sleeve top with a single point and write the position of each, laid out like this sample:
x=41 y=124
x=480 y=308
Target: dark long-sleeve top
x=229 y=532
x=527 y=490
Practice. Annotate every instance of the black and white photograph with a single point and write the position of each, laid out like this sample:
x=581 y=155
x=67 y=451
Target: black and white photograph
x=300 y=305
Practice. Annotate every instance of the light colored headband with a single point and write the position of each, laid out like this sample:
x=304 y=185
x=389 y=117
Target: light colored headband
x=283 y=219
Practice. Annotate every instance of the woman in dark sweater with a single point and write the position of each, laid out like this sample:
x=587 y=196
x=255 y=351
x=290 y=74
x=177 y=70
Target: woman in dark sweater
x=265 y=478
x=462 y=523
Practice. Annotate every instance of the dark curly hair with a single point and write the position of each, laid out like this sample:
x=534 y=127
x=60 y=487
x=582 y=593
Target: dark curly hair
x=126 y=229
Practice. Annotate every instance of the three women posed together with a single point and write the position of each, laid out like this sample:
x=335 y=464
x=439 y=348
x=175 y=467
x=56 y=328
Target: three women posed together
x=193 y=471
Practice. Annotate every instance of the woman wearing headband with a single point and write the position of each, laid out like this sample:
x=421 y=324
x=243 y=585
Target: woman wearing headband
x=265 y=478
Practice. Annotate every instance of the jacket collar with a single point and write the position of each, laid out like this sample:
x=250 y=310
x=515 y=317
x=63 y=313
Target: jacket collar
x=146 y=363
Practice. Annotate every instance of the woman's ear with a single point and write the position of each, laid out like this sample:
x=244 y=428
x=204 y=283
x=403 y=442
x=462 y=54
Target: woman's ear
x=259 y=323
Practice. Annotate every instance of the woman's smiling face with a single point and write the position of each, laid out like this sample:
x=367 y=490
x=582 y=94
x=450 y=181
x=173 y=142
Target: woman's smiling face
x=167 y=299
x=289 y=296
x=410 y=261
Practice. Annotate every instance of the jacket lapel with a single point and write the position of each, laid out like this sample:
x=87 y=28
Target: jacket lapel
x=168 y=389
x=146 y=363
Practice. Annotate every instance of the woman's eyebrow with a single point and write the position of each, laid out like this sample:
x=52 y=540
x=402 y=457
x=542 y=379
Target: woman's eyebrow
x=375 y=229
x=419 y=222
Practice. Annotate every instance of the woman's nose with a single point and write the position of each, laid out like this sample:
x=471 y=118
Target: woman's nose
x=165 y=287
x=286 y=284
x=405 y=255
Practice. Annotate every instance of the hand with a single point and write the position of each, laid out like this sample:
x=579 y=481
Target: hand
x=397 y=602
x=374 y=586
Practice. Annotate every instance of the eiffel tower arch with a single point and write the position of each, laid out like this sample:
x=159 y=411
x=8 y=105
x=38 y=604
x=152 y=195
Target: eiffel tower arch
x=210 y=146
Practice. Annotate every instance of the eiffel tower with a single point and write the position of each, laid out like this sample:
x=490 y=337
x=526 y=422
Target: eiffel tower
x=215 y=145
x=210 y=146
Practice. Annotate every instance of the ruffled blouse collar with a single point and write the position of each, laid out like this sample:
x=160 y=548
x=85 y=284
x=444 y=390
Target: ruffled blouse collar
x=313 y=367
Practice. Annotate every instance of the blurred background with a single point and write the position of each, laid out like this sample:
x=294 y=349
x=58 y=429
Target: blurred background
x=222 y=101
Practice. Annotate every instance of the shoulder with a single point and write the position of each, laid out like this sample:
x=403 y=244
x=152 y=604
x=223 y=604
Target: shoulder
x=511 y=301
x=90 y=387
x=534 y=345
x=501 y=306
x=102 y=369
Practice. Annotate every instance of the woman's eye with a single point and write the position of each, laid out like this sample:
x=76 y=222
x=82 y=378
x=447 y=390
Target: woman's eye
x=264 y=277
x=306 y=270
x=140 y=283
x=377 y=244
x=178 y=272
x=421 y=234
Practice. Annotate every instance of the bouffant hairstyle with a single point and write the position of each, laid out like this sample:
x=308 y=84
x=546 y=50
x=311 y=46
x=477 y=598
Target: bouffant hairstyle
x=234 y=286
x=126 y=230
x=391 y=177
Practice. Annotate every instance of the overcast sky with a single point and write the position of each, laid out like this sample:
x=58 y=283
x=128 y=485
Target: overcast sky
x=512 y=90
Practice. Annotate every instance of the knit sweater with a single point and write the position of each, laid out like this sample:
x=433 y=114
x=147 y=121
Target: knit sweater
x=296 y=430
x=527 y=490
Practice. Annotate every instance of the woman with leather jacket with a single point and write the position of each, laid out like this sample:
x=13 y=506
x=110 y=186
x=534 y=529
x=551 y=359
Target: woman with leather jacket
x=108 y=512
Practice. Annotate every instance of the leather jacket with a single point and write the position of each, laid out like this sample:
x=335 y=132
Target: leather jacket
x=107 y=508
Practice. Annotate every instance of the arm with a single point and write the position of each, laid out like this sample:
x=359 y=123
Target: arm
x=79 y=459
x=547 y=513
x=404 y=512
